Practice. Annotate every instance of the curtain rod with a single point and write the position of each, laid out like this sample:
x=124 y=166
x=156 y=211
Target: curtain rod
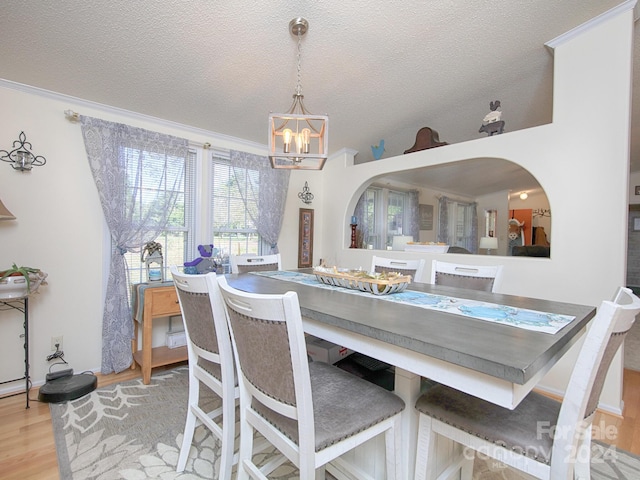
x=71 y=115
x=75 y=116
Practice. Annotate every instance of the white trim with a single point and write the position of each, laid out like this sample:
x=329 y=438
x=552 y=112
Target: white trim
x=594 y=22
x=128 y=113
x=559 y=395
x=344 y=151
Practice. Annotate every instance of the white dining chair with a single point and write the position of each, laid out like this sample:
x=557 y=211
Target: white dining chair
x=541 y=436
x=487 y=278
x=210 y=363
x=311 y=412
x=254 y=263
x=415 y=268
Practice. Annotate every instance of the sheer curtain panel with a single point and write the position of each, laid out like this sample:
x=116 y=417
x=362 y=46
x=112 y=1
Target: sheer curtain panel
x=137 y=173
x=266 y=193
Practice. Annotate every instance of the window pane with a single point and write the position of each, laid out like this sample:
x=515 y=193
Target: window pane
x=384 y=216
x=234 y=194
x=395 y=215
x=177 y=242
x=370 y=221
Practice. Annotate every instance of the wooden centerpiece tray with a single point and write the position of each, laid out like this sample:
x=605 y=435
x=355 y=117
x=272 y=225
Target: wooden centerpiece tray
x=376 y=283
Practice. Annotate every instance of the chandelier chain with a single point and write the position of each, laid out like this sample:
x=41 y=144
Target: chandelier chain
x=299 y=86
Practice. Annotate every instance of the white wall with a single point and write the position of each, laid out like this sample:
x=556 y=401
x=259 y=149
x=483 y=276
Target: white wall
x=592 y=82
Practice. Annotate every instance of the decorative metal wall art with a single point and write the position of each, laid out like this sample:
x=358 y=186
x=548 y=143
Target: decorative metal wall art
x=21 y=157
x=305 y=195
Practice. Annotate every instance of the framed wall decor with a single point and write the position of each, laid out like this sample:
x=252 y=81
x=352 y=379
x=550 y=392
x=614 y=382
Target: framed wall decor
x=426 y=217
x=305 y=238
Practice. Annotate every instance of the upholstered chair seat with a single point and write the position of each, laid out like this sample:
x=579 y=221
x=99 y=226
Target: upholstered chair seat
x=361 y=406
x=515 y=430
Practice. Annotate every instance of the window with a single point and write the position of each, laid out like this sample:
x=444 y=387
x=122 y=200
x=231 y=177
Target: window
x=234 y=232
x=385 y=214
x=458 y=224
x=178 y=244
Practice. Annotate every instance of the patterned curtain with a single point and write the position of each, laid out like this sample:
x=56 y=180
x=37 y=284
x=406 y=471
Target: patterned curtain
x=362 y=232
x=267 y=193
x=117 y=155
x=443 y=220
x=473 y=239
x=413 y=215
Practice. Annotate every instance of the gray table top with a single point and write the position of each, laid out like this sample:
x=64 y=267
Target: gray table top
x=503 y=351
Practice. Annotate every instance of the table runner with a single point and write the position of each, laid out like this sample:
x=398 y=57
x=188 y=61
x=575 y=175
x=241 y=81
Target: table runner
x=517 y=317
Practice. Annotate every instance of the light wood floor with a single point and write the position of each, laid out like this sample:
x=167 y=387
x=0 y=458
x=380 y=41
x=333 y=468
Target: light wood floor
x=27 y=449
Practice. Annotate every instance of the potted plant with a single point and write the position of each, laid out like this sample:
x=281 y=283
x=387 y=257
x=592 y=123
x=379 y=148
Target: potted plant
x=17 y=282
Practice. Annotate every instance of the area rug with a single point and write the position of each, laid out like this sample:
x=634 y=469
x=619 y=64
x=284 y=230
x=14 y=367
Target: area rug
x=133 y=431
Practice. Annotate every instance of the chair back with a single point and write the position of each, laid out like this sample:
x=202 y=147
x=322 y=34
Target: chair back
x=606 y=333
x=472 y=277
x=205 y=322
x=254 y=263
x=271 y=356
x=415 y=268
x=211 y=365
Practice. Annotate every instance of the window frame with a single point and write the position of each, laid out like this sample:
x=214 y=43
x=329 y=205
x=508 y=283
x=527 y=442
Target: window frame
x=253 y=242
x=380 y=230
x=136 y=269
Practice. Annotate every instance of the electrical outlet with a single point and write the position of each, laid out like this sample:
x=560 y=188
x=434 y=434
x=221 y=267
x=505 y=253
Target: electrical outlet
x=56 y=340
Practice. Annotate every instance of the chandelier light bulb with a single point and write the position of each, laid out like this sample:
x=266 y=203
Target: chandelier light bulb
x=298 y=143
x=306 y=137
x=286 y=139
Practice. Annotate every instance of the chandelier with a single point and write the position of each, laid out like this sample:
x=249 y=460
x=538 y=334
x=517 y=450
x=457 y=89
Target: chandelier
x=297 y=139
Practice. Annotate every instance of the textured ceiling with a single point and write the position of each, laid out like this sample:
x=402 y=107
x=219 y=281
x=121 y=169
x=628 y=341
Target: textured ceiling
x=380 y=72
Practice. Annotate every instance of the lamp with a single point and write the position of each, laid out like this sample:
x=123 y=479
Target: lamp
x=297 y=139
x=524 y=195
x=5 y=214
x=151 y=255
x=21 y=157
x=489 y=243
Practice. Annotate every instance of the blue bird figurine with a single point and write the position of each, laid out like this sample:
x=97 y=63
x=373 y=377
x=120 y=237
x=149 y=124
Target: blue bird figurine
x=377 y=150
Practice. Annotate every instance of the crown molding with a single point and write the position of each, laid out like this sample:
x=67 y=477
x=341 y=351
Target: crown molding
x=79 y=103
x=594 y=22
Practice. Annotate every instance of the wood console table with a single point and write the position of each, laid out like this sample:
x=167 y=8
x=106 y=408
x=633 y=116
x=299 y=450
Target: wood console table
x=153 y=301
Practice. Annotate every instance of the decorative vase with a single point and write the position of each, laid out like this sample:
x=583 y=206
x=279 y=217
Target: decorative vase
x=16 y=286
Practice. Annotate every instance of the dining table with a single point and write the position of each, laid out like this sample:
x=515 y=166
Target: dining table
x=499 y=359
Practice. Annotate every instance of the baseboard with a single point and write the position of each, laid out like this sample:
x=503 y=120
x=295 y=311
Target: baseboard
x=18 y=386
x=602 y=407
